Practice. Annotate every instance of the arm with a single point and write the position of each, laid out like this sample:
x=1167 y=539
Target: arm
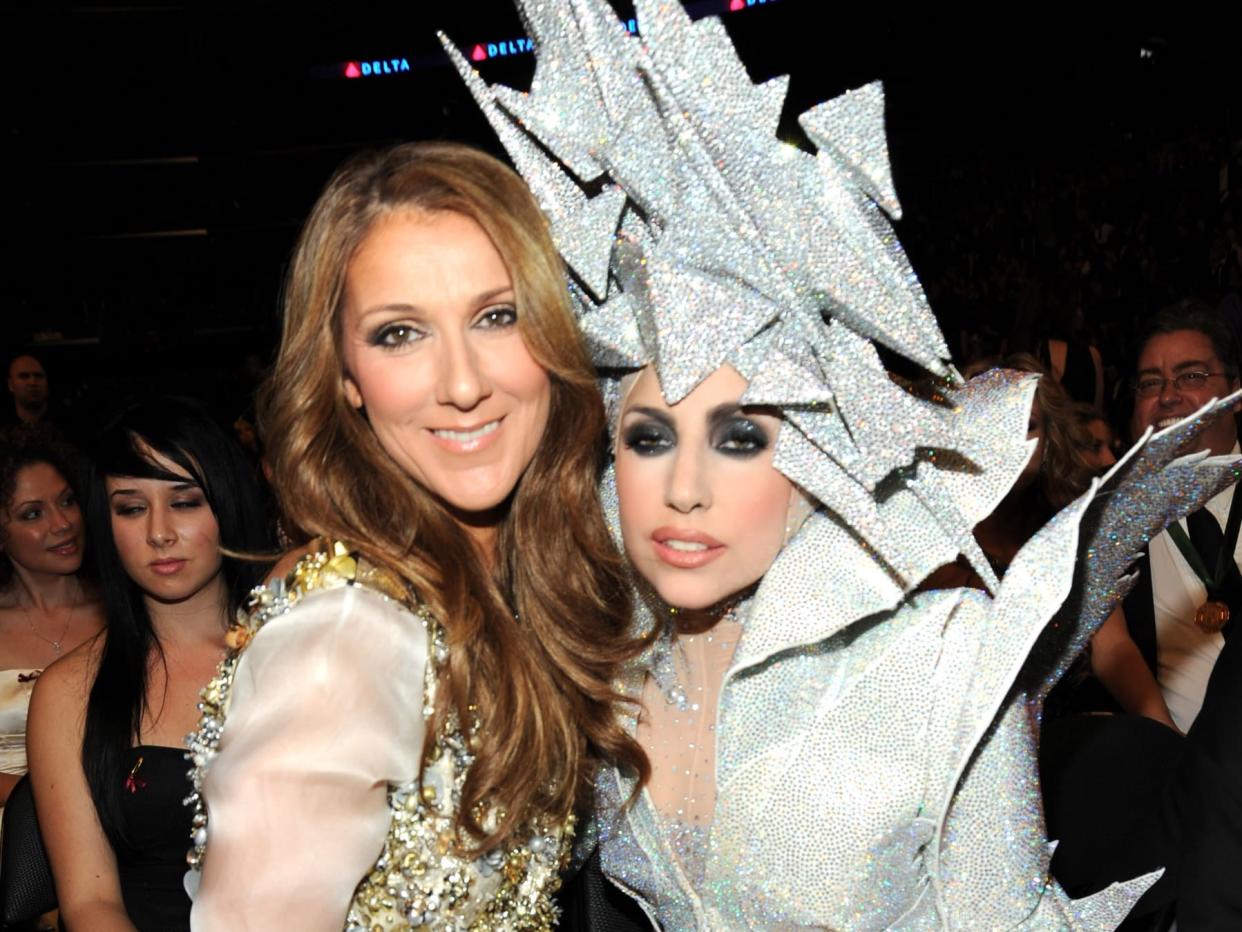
x=325 y=712
x=7 y=782
x=83 y=863
x=1118 y=665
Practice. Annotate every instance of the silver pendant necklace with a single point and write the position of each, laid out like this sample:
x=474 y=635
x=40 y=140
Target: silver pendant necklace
x=57 y=644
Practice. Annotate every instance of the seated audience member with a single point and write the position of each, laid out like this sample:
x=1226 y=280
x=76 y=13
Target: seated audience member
x=1101 y=452
x=168 y=492
x=1187 y=599
x=28 y=386
x=46 y=607
x=1059 y=471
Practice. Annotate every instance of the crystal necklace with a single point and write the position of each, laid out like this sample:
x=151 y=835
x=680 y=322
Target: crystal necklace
x=663 y=664
x=57 y=644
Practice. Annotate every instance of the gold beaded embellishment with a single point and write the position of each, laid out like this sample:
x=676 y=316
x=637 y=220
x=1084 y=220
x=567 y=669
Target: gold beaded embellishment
x=421 y=880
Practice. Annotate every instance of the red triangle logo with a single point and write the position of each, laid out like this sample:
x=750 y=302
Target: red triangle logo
x=478 y=53
x=352 y=70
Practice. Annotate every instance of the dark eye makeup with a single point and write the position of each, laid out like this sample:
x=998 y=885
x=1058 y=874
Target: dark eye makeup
x=736 y=436
x=649 y=437
x=741 y=437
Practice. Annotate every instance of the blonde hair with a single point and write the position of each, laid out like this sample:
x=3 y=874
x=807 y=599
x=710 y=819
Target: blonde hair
x=540 y=689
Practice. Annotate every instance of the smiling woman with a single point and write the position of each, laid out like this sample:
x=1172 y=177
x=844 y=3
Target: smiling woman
x=450 y=642
x=47 y=608
x=434 y=354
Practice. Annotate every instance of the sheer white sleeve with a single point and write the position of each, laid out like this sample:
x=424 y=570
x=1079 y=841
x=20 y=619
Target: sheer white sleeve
x=326 y=711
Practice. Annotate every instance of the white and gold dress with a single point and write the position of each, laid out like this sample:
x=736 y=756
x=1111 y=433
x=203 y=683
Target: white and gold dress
x=312 y=813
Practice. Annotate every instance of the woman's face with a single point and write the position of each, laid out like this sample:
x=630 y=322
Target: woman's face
x=433 y=353
x=1100 y=455
x=703 y=512
x=166 y=534
x=42 y=531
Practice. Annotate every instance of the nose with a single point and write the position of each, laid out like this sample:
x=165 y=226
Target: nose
x=63 y=520
x=1169 y=394
x=688 y=486
x=462 y=381
x=160 y=532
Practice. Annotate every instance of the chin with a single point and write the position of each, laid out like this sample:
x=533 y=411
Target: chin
x=465 y=504
x=691 y=598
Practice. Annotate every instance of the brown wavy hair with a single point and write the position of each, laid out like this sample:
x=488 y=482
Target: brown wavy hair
x=539 y=688
x=1065 y=473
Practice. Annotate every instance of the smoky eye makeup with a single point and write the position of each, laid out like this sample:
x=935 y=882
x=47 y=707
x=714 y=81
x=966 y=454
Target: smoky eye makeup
x=648 y=437
x=741 y=436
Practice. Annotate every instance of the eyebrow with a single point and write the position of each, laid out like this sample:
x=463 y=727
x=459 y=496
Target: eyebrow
x=722 y=412
x=654 y=413
x=1180 y=367
x=400 y=307
x=33 y=501
x=179 y=487
x=715 y=417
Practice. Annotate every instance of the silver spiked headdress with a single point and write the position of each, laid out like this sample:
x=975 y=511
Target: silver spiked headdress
x=697 y=238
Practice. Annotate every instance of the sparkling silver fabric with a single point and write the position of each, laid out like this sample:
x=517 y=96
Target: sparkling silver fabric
x=876 y=750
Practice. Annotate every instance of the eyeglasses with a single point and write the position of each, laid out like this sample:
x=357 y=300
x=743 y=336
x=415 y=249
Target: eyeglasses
x=1149 y=386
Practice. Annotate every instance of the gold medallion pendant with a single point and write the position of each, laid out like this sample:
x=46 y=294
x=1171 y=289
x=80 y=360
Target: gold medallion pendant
x=1212 y=616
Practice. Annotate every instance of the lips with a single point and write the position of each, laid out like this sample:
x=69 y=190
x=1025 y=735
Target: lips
x=1168 y=421
x=468 y=438
x=167 y=567
x=67 y=549
x=686 y=549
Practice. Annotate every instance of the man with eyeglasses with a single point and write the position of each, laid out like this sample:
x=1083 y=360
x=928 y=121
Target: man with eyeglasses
x=1183 y=611
x=1187 y=358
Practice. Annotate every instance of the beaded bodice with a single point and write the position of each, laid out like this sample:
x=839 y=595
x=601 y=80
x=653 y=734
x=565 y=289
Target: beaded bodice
x=422 y=878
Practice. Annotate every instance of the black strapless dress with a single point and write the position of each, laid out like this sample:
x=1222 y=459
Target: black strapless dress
x=157 y=825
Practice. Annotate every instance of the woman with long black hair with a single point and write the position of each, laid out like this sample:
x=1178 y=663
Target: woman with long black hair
x=169 y=494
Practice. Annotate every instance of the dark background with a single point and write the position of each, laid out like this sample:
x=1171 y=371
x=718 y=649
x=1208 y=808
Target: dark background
x=158 y=159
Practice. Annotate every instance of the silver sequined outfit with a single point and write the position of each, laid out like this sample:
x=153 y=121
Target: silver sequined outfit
x=875 y=749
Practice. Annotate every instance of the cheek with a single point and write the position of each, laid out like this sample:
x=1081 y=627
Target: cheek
x=19 y=539
x=638 y=487
x=514 y=369
x=129 y=538
x=387 y=387
x=761 y=514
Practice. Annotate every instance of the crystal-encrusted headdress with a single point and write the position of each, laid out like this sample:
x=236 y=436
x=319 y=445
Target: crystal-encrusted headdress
x=697 y=238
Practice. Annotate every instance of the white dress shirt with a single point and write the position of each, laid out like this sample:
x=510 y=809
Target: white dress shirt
x=1185 y=655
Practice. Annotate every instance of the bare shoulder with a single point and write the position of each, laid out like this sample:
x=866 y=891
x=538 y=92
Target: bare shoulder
x=65 y=685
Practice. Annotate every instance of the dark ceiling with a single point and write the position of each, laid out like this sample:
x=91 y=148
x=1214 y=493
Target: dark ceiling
x=160 y=157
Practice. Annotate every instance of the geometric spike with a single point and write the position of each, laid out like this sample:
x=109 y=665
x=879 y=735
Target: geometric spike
x=852 y=127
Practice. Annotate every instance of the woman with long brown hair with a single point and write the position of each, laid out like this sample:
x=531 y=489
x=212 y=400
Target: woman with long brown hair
x=432 y=683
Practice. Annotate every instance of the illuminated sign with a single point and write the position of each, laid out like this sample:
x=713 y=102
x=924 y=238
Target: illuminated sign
x=371 y=69
x=482 y=51
x=520 y=45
